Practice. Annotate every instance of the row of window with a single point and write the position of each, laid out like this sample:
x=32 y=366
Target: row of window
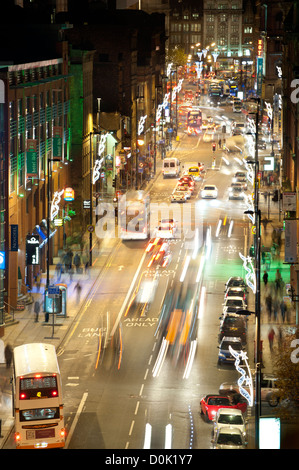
x=221 y=41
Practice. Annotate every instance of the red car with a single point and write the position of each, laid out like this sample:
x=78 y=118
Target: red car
x=210 y=404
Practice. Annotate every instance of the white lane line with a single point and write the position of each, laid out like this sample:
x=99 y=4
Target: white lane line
x=74 y=424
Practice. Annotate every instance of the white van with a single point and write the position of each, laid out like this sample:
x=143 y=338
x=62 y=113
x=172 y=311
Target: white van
x=171 y=167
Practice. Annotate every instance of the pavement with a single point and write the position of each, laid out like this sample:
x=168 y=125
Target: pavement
x=26 y=329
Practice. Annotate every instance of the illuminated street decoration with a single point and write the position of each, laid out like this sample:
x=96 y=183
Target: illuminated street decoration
x=279 y=71
x=102 y=143
x=250 y=173
x=215 y=55
x=249 y=207
x=55 y=204
x=177 y=89
x=141 y=124
x=269 y=110
x=97 y=170
x=245 y=375
x=199 y=69
x=199 y=55
x=168 y=71
x=250 y=277
x=162 y=106
x=98 y=162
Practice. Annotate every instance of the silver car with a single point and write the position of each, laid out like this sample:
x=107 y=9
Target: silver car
x=229 y=438
x=226 y=417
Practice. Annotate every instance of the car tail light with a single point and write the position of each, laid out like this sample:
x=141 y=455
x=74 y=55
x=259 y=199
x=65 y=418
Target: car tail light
x=62 y=432
x=17 y=436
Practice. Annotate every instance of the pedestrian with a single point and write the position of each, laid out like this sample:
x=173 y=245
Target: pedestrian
x=265 y=278
x=77 y=262
x=36 y=310
x=269 y=306
x=58 y=271
x=8 y=355
x=275 y=307
x=78 y=288
x=37 y=281
x=282 y=309
x=271 y=335
x=71 y=272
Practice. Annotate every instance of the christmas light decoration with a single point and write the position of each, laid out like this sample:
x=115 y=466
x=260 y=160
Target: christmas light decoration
x=250 y=277
x=55 y=204
x=245 y=377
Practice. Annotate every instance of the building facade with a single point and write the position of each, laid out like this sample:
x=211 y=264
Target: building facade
x=36 y=146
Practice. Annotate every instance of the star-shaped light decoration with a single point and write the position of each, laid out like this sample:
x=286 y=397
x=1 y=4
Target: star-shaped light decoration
x=245 y=375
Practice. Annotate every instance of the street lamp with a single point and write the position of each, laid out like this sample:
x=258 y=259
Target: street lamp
x=257 y=253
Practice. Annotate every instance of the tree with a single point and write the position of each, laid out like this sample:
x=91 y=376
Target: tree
x=177 y=56
x=286 y=369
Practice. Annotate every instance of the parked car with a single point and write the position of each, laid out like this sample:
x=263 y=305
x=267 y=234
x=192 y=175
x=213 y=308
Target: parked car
x=209 y=191
x=233 y=325
x=269 y=390
x=210 y=404
x=224 y=354
x=236 y=292
x=235 y=281
x=237 y=303
x=229 y=438
x=226 y=417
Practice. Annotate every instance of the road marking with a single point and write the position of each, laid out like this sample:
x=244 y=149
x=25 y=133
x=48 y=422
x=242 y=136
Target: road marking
x=74 y=424
x=128 y=295
x=131 y=428
x=137 y=406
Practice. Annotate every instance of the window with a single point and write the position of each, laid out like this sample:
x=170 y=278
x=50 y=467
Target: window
x=222 y=6
x=222 y=41
x=196 y=27
x=222 y=18
x=248 y=30
x=210 y=18
x=185 y=27
x=222 y=29
x=234 y=40
x=235 y=28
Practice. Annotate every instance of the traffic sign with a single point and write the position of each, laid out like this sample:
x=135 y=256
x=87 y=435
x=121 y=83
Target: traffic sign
x=53 y=291
x=90 y=228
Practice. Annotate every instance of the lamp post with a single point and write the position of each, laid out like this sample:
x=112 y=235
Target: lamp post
x=257 y=253
x=90 y=192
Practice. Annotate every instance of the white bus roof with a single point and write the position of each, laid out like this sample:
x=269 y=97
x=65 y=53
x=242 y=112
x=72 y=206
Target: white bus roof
x=35 y=358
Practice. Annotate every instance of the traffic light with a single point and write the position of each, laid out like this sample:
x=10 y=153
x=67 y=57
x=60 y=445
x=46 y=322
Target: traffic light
x=214 y=147
x=114 y=182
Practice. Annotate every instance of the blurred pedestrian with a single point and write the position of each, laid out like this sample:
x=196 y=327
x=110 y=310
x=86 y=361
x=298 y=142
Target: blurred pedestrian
x=275 y=307
x=269 y=306
x=265 y=278
x=78 y=288
x=77 y=262
x=37 y=281
x=283 y=310
x=8 y=355
x=271 y=335
x=58 y=271
x=36 y=310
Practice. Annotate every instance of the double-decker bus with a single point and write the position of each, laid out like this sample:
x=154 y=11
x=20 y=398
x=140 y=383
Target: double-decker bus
x=194 y=122
x=134 y=216
x=37 y=397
